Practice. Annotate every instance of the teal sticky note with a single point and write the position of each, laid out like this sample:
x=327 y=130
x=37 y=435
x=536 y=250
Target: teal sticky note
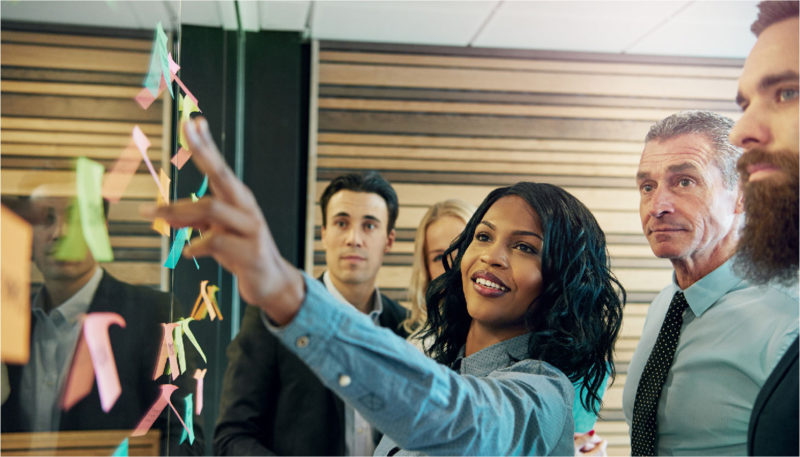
x=161 y=39
x=188 y=420
x=203 y=187
x=152 y=80
x=122 y=449
x=177 y=248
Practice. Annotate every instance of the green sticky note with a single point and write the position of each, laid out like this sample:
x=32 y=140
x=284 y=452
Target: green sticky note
x=90 y=203
x=188 y=420
x=177 y=340
x=161 y=39
x=72 y=246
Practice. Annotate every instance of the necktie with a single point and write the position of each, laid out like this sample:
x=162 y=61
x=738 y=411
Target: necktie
x=645 y=406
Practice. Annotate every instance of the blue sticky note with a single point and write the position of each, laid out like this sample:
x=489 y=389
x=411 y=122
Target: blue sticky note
x=188 y=420
x=177 y=248
x=122 y=449
x=203 y=187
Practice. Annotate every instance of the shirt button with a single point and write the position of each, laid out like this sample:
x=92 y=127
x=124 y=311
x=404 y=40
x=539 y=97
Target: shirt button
x=344 y=380
x=302 y=342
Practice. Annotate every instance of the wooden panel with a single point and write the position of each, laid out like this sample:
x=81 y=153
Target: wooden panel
x=78 y=107
x=77 y=125
x=23 y=182
x=521 y=81
x=82 y=90
x=62 y=39
x=88 y=442
x=35 y=55
x=58 y=150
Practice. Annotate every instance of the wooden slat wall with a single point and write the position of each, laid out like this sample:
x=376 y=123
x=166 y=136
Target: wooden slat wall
x=449 y=123
x=66 y=95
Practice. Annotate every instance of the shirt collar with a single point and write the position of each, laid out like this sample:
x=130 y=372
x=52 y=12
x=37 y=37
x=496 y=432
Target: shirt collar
x=75 y=305
x=377 y=303
x=710 y=288
x=494 y=357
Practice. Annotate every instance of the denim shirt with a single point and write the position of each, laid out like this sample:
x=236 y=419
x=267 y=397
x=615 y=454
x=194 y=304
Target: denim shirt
x=499 y=403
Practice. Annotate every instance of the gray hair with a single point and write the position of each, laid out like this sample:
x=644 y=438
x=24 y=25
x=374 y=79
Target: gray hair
x=714 y=126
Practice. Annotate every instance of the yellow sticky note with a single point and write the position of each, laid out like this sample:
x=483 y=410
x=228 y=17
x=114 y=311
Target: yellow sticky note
x=159 y=224
x=15 y=307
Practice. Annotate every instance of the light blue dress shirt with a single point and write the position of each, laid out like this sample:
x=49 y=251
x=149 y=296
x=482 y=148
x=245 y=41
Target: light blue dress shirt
x=501 y=405
x=733 y=335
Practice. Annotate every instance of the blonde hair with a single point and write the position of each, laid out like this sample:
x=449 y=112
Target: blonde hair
x=420 y=277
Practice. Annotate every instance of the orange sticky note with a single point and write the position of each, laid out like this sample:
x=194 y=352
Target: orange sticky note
x=117 y=180
x=181 y=157
x=15 y=314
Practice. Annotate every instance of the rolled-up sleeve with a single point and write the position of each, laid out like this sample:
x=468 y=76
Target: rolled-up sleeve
x=423 y=406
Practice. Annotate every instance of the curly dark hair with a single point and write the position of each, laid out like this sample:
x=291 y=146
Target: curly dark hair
x=575 y=320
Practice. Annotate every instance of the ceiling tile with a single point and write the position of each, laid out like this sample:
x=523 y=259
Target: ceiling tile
x=283 y=15
x=412 y=22
x=704 y=29
x=102 y=14
x=595 y=26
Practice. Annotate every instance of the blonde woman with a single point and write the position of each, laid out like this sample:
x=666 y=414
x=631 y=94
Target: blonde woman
x=440 y=225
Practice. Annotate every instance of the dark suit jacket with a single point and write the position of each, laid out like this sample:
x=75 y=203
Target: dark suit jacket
x=135 y=349
x=773 y=426
x=273 y=404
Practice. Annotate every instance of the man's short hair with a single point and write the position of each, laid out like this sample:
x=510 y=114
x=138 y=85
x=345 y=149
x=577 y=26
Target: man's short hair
x=714 y=126
x=772 y=11
x=370 y=182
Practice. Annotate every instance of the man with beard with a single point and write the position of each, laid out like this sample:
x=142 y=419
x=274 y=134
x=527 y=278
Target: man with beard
x=768 y=249
x=711 y=338
x=272 y=403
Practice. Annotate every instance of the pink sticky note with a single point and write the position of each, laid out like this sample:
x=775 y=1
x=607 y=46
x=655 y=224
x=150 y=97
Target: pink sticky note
x=96 y=343
x=209 y=307
x=167 y=350
x=181 y=157
x=152 y=414
x=199 y=375
x=186 y=91
x=173 y=67
x=144 y=98
x=143 y=143
x=80 y=379
x=117 y=180
x=95 y=329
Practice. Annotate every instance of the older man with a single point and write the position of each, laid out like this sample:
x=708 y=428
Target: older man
x=711 y=338
x=768 y=249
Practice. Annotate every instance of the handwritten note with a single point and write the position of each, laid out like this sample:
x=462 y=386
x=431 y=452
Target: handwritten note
x=199 y=375
x=95 y=339
x=117 y=180
x=188 y=420
x=155 y=410
x=90 y=202
x=167 y=350
x=16 y=236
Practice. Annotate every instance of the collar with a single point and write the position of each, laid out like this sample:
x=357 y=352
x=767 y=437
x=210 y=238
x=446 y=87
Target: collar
x=377 y=302
x=75 y=305
x=494 y=357
x=710 y=288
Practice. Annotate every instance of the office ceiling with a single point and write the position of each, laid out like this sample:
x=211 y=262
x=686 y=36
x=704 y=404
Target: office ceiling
x=678 y=28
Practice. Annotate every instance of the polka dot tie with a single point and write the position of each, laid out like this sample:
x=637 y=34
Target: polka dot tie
x=645 y=406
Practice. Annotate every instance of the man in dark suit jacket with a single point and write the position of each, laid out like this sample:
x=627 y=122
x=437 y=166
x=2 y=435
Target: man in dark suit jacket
x=71 y=289
x=768 y=250
x=271 y=401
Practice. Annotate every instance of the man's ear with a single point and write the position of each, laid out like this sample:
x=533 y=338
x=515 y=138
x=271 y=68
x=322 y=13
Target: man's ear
x=322 y=237
x=739 y=208
x=390 y=241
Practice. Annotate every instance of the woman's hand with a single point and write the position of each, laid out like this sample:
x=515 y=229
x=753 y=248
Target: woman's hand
x=235 y=232
x=589 y=444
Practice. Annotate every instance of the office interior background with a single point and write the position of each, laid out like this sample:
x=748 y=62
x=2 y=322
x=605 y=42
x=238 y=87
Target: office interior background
x=447 y=99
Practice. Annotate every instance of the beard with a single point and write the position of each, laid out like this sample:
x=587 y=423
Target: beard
x=768 y=247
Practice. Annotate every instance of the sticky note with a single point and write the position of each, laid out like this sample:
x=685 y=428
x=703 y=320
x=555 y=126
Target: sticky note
x=117 y=180
x=199 y=375
x=173 y=67
x=155 y=410
x=72 y=246
x=142 y=142
x=188 y=420
x=90 y=202
x=16 y=236
x=211 y=291
x=94 y=340
x=177 y=248
x=144 y=98
x=167 y=350
x=188 y=332
x=181 y=157
x=122 y=449
x=163 y=55
x=203 y=187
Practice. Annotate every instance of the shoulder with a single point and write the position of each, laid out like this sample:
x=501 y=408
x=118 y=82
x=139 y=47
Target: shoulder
x=393 y=315
x=129 y=299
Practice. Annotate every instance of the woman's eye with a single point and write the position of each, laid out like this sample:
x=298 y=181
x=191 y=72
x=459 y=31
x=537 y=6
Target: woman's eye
x=481 y=237
x=785 y=95
x=437 y=258
x=527 y=248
